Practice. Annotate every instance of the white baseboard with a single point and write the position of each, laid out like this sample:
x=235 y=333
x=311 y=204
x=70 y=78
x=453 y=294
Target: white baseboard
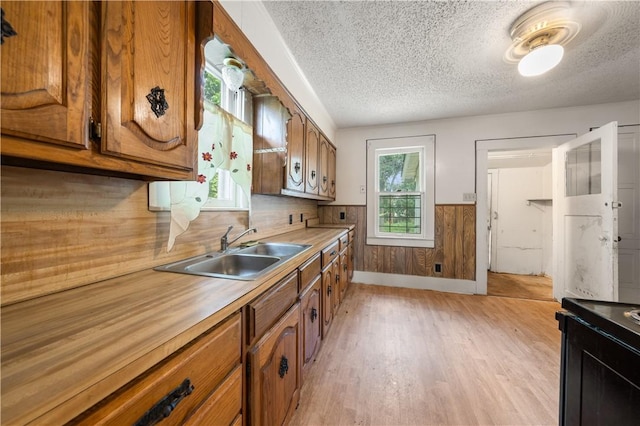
x=413 y=281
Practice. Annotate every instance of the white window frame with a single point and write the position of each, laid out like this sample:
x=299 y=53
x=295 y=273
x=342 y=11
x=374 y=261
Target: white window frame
x=425 y=146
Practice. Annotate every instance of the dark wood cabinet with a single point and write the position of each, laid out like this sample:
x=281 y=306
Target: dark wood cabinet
x=269 y=145
x=312 y=143
x=148 y=57
x=310 y=301
x=120 y=74
x=295 y=166
x=45 y=74
x=275 y=372
x=600 y=374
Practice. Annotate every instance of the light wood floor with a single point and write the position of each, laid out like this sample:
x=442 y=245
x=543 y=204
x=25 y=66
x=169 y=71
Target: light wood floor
x=520 y=286
x=412 y=357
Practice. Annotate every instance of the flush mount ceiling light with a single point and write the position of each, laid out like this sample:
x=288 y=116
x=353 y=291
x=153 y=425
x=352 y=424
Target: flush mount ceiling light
x=232 y=73
x=539 y=36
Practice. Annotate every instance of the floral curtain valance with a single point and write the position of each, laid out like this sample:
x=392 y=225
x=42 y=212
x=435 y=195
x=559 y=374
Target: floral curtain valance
x=224 y=142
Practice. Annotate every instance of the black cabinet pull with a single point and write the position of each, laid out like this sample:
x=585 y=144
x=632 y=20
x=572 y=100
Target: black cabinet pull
x=296 y=167
x=314 y=314
x=284 y=366
x=337 y=278
x=333 y=253
x=329 y=290
x=7 y=29
x=166 y=405
x=158 y=101
x=313 y=174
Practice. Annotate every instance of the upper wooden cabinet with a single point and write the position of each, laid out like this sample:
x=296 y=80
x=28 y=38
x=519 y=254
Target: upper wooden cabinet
x=44 y=71
x=332 y=172
x=269 y=144
x=312 y=143
x=148 y=81
x=130 y=68
x=295 y=167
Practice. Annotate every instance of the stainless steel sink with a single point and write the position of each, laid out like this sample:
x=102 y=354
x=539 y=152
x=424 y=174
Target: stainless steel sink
x=275 y=249
x=246 y=263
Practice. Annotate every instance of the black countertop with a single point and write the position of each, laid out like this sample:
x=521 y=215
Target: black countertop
x=611 y=317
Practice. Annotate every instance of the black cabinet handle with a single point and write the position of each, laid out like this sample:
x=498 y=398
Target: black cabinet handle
x=7 y=29
x=329 y=290
x=166 y=405
x=314 y=314
x=333 y=253
x=159 y=104
x=284 y=366
x=313 y=174
x=296 y=167
x=324 y=179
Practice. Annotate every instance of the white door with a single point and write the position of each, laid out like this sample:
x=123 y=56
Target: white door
x=629 y=214
x=585 y=225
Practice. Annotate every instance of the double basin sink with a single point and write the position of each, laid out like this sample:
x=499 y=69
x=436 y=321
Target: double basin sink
x=246 y=263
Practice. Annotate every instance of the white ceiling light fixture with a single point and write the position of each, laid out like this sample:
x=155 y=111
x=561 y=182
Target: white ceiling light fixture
x=539 y=36
x=233 y=74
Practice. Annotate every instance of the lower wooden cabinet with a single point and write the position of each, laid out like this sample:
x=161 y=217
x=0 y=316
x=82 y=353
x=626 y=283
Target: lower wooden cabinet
x=202 y=381
x=275 y=372
x=311 y=323
x=328 y=288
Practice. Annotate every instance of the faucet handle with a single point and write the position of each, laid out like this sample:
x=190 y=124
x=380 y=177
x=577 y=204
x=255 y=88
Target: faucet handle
x=226 y=234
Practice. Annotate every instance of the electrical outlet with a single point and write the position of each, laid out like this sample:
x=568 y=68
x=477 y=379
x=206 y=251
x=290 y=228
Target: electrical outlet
x=469 y=196
x=290 y=219
x=301 y=217
x=343 y=216
x=437 y=268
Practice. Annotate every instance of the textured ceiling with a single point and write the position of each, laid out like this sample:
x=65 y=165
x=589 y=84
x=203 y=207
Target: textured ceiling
x=380 y=62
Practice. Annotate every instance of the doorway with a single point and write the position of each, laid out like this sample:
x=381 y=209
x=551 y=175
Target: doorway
x=513 y=152
x=519 y=213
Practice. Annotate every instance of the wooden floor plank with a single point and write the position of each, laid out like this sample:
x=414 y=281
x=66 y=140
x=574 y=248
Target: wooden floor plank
x=538 y=287
x=413 y=357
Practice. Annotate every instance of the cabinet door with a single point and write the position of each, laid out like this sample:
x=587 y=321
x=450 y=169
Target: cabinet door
x=332 y=172
x=296 y=130
x=337 y=285
x=269 y=144
x=275 y=372
x=148 y=82
x=45 y=71
x=323 y=167
x=327 y=298
x=312 y=142
x=344 y=272
x=311 y=320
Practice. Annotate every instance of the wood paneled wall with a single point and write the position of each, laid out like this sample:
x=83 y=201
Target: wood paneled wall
x=63 y=230
x=455 y=244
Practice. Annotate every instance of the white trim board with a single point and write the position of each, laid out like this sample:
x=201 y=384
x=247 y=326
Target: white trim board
x=450 y=285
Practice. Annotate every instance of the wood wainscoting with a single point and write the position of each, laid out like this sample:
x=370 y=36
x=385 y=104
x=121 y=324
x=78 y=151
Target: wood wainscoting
x=455 y=244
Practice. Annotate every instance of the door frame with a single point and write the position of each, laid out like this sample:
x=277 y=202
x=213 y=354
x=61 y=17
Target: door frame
x=483 y=147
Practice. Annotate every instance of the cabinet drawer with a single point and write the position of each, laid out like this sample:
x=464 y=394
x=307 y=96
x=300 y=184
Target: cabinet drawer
x=329 y=253
x=224 y=406
x=309 y=271
x=205 y=363
x=265 y=311
x=344 y=241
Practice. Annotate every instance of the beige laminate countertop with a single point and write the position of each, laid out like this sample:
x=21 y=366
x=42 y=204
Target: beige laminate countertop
x=64 y=352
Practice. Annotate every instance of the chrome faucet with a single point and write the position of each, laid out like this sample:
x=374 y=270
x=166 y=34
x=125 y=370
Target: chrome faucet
x=224 y=241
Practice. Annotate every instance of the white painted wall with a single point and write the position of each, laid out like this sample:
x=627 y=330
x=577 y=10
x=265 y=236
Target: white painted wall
x=455 y=143
x=523 y=236
x=257 y=25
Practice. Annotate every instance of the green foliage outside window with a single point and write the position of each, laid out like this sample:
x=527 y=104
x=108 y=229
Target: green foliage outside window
x=399 y=213
x=211 y=88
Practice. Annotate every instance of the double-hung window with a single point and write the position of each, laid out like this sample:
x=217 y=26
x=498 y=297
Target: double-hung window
x=400 y=191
